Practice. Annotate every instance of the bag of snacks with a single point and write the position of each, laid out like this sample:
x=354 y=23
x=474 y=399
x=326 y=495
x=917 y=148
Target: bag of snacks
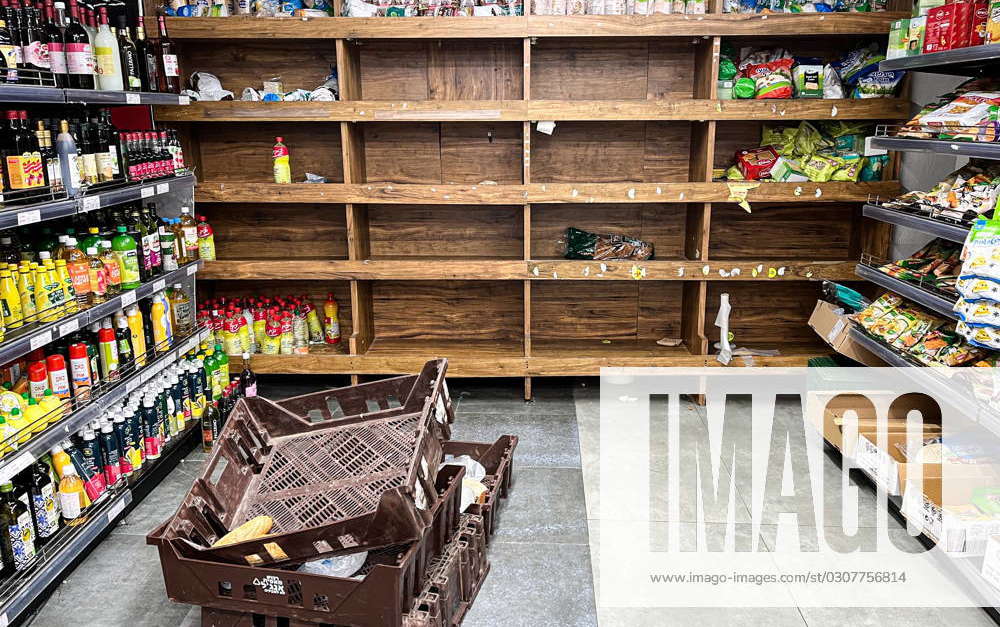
x=755 y=163
x=585 y=245
x=850 y=169
x=820 y=169
x=885 y=303
x=771 y=80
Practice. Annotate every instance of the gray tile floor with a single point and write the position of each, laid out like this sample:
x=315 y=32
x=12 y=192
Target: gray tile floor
x=542 y=567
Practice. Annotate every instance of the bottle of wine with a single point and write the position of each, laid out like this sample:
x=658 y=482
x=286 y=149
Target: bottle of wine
x=34 y=53
x=170 y=76
x=109 y=61
x=55 y=44
x=129 y=58
x=8 y=53
x=149 y=68
x=78 y=51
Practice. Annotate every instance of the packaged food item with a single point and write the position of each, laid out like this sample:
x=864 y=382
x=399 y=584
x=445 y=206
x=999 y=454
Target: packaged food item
x=772 y=79
x=875 y=83
x=832 y=87
x=744 y=88
x=918 y=324
x=724 y=90
x=781 y=137
x=898 y=37
x=849 y=170
x=755 y=163
x=819 y=168
x=980 y=16
x=786 y=170
x=970 y=109
x=808 y=81
x=993 y=22
x=981 y=336
x=978 y=311
x=585 y=245
x=973 y=287
x=915 y=39
x=949 y=26
x=727 y=68
x=873 y=167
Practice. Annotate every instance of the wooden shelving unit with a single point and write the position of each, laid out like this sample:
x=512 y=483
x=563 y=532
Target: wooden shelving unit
x=440 y=223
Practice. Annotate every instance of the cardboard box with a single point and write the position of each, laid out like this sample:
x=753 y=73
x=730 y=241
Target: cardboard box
x=980 y=16
x=898 y=36
x=837 y=411
x=835 y=329
x=915 y=40
x=948 y=517
x=949 y=26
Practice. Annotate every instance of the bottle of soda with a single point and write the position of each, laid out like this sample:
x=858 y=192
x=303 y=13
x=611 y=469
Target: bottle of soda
x=248 y=379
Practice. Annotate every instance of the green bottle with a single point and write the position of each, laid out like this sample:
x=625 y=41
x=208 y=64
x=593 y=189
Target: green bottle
x=223 y=359
x=18 y=537
x=213 y=373
x=47 y=241
x=127 y=255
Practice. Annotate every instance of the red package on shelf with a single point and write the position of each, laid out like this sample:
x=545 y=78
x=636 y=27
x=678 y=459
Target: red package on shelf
x=949 y=26
x=980 y=15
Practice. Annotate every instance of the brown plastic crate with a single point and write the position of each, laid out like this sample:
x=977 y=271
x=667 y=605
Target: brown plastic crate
x=498 y=460
x=370 y=479
x=384 y=590
x=397 y=395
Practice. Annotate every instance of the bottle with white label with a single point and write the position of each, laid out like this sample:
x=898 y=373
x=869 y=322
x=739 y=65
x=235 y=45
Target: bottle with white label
x=18 y=539
x=68 y=157
x=109 y=61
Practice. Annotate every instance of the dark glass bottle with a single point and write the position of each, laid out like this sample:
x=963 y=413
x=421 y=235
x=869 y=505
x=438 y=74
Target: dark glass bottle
x=149 y=68
x=12 y=14
x=79 y=54
x=18 y=534
x=34 y=57
x=55 y=45
x=8 y=51
x=170 y=72
x=44 y=502
x=130 y=58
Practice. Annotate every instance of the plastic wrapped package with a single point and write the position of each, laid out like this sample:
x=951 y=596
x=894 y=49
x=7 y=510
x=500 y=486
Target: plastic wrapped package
x=585 y=245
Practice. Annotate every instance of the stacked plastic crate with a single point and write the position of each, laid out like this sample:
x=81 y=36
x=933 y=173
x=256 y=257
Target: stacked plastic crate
x=339 y=472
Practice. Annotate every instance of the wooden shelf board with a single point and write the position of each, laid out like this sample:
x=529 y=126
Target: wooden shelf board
x=528 y=110
x=499 y=358
x=434 y=268
x=533 y=26
x=389 y=193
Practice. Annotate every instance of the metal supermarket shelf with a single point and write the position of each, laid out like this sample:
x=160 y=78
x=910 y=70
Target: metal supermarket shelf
x=968 y=61
x=980 y=150
x=938 y=228
x=28 y=94
x=908 y=290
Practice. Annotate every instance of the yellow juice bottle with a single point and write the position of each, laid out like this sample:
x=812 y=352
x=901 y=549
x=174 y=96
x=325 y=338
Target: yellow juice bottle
x=70 y=305
x=52 y=408
x=26 y=290
x=43 y=296
x=10 y=301
x=138 y=334
x=20 y=424
x=8 y=438
x=54 y=287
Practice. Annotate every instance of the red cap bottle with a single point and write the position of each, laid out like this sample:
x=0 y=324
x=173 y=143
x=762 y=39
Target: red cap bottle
x=38 y=380
x=58 y=376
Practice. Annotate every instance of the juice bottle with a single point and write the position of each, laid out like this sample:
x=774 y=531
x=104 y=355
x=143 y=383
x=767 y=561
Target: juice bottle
x=71 y=492
x=331 y=320
x=259 y=327
x=18 y=544
x=181 y=310
x=222 y=359
x=78 y=266
x=52 y=408
x=189 y=228
x=127 y=256
x=112 y=271
x=44 y=502
x=67 y=297
x=123 y=338
x=272 y=337
x=206 y=240
x=8 y=437
x=10 y=301
x=92 y=240
x=160 y=319
x=312 y=320
x=97 y=276
x=180 y=243
x=108 y=348
x=282 y=161
x=55 y=288
x=135 y=325
x=26 y=290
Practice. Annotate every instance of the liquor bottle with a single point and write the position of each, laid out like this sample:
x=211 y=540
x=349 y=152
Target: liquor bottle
x=170 y=77
x=106 y=129
x=8 y=51
x=248 y=379
x=49 y=157
x=12 y=16
x=89 y=153
x=110 y=74
x=149 y=68
x=129 y=58
x=34 y=56
x=78 y=51
x=176 y=152
x=68 y=156
x=89 y=21
x=55 y=44
x=105 y=163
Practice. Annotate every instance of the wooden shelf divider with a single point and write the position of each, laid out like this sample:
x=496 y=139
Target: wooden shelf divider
x=442 y=192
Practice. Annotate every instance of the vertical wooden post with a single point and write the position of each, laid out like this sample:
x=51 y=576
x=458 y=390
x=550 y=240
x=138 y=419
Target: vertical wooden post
x=526 y=178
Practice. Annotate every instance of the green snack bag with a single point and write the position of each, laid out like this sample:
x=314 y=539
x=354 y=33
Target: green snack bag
x=727 y=69
x=848 y=143
x=849 y=170
x=781 y=137
x=873 y=166
x=808 y=140
x=744 y=88
x=734 y=174
x=819 y=169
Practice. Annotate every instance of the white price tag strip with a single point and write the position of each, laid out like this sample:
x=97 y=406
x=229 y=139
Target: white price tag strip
x=16 y=465
x=147 y=191
x=29 y=217
x=128 y=298
x=69 y=327
x=41 y=339
x=192 y=269
x=184 y=100
x=116 y=509
x=131 y=385
x=159 y=285
x=91 y=202
x=4 y=621
x=162 y=188
x=131 y=98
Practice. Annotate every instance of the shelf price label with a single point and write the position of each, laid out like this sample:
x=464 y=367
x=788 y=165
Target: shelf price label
x=128 y=298
x=132 y=384
x=16 y=465
x=29 y=217
x=116 y=509
x=146 y=192
x=192 y=269
x=159 y=285
x=162 y=188
x=91 y=203
x=132 y=98
x=41 y=340
x=184 y=100
x=69 y=327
